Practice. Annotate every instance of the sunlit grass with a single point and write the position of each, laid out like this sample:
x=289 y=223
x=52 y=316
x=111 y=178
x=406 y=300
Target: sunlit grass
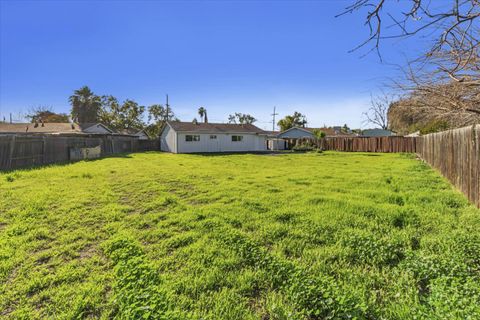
x=291 y=236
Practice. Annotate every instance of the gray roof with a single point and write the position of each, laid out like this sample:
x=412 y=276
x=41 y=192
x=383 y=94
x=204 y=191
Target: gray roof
x=214 y=127
x=377 y=133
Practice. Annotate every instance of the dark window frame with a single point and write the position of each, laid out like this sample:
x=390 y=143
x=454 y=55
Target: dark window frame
x=237 y=138
x=192 y=138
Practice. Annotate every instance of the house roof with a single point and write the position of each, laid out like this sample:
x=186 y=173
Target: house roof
x=214 y=127
x=46 y=127
x=377 y=133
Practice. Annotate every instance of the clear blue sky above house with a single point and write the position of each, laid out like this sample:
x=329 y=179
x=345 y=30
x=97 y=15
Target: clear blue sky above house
x=226 y=56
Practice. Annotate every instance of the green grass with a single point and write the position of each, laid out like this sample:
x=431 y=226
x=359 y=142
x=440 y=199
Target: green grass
x=293 y=236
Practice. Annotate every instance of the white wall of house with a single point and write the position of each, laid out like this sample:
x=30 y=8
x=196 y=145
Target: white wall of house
x=222 y=143
x=168 y=140
x=277 y=144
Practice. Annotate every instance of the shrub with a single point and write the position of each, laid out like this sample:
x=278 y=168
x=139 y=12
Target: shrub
x=434 y=126
x=303 y=148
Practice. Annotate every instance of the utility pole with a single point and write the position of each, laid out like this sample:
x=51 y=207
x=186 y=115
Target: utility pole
x=273 y=115
x=168 y=109
x=11 y=118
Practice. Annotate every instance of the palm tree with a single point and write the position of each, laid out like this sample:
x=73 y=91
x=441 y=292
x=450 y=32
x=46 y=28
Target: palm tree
x=85 y=105
x=202 y=112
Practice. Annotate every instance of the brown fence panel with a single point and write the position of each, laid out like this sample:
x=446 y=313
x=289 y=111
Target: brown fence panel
x=5 y=144
x=148 y=145
x=24 y=150
x=456 y=154
x=27 y=151
x=370 y=144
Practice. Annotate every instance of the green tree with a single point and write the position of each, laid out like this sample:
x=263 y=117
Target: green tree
x=46 y=114
x=319 y=134
x=157 y=116
x=241 y=118
x=118 y=116
x=290 y=121
x=86 y=105
x=202 y=112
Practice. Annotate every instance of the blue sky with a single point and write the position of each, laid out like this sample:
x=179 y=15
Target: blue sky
x=236 y=56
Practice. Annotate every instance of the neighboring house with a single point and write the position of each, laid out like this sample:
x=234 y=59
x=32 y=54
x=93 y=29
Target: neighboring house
x=299 y=133
x=54 y=128
x=140 y=133
x=377 y=133
x=296 y=133
x=188 y=137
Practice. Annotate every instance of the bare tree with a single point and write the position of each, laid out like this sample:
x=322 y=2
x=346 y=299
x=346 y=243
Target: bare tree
x=451 y=24
x=443 y=84
x=377 y=114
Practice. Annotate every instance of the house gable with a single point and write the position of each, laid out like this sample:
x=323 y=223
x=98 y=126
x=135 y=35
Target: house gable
x=295 y=133
x=97 y=128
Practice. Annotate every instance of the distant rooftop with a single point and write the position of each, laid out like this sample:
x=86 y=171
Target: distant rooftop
x=45 y=127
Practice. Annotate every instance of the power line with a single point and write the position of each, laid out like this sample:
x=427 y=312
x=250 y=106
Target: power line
x=167 y=105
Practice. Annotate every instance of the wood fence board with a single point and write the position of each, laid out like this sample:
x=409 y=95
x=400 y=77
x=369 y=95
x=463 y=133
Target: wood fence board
x=456 y=154
x=25 y=150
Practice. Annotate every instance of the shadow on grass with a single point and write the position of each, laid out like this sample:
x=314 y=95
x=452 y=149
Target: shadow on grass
x=261 y=153
x=65 y=163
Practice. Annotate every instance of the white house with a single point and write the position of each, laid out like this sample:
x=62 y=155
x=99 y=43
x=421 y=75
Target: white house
x=188 y=137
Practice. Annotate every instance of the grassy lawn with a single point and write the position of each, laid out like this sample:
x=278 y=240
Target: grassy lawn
x=294 y=236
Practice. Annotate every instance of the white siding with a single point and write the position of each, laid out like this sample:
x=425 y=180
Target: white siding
x=223 y=143
x=168 y=140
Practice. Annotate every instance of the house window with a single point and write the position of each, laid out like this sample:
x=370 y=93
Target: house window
x=213 y=136
x=237 y=138
x=190 y=137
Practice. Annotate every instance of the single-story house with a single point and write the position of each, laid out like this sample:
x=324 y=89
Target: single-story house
x=54 y=128
x=377 y=133
x=140 y=133
x=189 y=137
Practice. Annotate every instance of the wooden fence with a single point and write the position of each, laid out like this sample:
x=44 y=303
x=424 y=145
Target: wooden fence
x=456 y=154
x=370 y=144
x=24 y=150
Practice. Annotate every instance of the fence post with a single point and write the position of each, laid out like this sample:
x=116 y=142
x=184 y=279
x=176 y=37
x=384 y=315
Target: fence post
x=12 y=147
x=44 y=149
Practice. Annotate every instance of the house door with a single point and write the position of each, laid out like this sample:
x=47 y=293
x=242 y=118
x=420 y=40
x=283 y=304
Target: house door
x=215 y=143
